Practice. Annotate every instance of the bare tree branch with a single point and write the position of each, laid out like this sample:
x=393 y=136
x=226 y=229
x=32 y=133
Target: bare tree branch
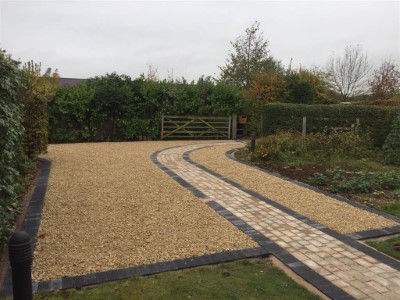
x=347 y=75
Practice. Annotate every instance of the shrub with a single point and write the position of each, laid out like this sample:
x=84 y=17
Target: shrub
x=287 y=146
x=374 y=120
x=280 y=146
x=367 y=183
x=115 y=107
x=37 y=92
x=70 y=114
x=391 y=148
x=11 y=132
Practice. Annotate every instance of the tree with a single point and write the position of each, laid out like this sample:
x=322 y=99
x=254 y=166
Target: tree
x=385 y=81
x=266 y=88
x=249 y=57
x=347 y=75
x=305 y=87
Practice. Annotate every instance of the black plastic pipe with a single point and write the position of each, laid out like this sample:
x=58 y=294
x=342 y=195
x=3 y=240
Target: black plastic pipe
x=20 y=254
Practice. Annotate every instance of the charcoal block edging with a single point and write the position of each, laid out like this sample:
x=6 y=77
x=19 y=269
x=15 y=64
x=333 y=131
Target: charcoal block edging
x=32 y=222
x=305 y=272
x=268 y=245
x=231 y=155
x=32 y=217
x=175 y=176
x=145 y=270
x=395 y=264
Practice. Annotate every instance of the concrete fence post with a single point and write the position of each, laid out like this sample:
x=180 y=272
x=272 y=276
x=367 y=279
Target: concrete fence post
x=253 y=143
x=304 y=126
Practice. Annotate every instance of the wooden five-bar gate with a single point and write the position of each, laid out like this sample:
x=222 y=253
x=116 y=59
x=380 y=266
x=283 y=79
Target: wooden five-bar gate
x=193 y=127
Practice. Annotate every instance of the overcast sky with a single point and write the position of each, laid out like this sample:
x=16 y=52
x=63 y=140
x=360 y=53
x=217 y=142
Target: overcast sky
x=88 y=38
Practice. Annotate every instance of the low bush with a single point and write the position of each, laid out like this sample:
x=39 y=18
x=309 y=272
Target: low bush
x=391 y=147
x=360 y=182
x=375 y=120
x=287 y=146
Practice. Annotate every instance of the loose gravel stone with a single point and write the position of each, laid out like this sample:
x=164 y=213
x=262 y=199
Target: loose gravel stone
x=334 y=214
x=108 y=206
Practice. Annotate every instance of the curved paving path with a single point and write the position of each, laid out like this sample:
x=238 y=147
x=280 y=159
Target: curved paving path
x=340 y=267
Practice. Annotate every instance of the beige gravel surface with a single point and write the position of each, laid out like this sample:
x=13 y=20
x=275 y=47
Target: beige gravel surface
x=108 y=206
x=332 y=213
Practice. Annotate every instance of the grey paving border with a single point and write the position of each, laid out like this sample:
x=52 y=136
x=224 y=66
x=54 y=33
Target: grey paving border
x=32 y=222
x=395 y=264
x=142 y=270
x=173 y=175
x=32 y=217
x=357 y=235
x=318 y=281
x=312 y=277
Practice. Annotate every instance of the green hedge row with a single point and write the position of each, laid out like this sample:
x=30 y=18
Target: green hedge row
x=24 y=94
x=115 y=107
x=373 y=119
x=11 y=133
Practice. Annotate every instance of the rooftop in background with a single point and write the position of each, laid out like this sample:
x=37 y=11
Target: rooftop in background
x=70 y=81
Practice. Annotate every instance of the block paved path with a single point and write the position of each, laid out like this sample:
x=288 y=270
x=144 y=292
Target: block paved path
x=356 y=272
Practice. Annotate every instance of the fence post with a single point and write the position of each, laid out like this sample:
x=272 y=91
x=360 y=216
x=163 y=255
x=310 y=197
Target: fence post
x=253 y=143
x=357 y=125
x=304 y=126
x=230 y=127
x=234 y=126
x=20 y=254
x=162 y=127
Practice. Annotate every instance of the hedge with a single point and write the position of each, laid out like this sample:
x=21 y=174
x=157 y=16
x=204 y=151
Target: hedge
x=117 y=108
x=11 y=133
x=373 y=119
x=24 y=93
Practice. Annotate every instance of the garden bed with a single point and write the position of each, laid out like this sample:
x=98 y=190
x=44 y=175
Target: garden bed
x=382 y=199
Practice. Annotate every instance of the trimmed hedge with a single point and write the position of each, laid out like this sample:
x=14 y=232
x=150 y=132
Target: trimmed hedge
x=375 y=120
x=11 y=133
x=116 y=108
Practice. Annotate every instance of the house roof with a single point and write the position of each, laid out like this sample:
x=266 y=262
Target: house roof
x=70 y=81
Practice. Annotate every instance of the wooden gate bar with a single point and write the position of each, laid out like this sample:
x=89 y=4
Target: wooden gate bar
x=193 y=127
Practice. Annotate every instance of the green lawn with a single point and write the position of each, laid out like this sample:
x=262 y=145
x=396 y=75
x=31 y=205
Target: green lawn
x=244 y=279
x=390 y=246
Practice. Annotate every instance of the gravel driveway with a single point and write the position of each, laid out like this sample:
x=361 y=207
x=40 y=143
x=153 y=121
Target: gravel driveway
x=334 y=214
x=108 y=206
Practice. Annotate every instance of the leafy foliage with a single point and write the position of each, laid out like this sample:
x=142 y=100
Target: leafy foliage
x=11 y=132
x=266 y=88
x=70 y=113
x=37 y=92
x=360 y=182
x=375 y=120
x=249 y=58
x=391 y=147
x=115 y=107
x=305 y=87
x=289 y=146
x=385 y=81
